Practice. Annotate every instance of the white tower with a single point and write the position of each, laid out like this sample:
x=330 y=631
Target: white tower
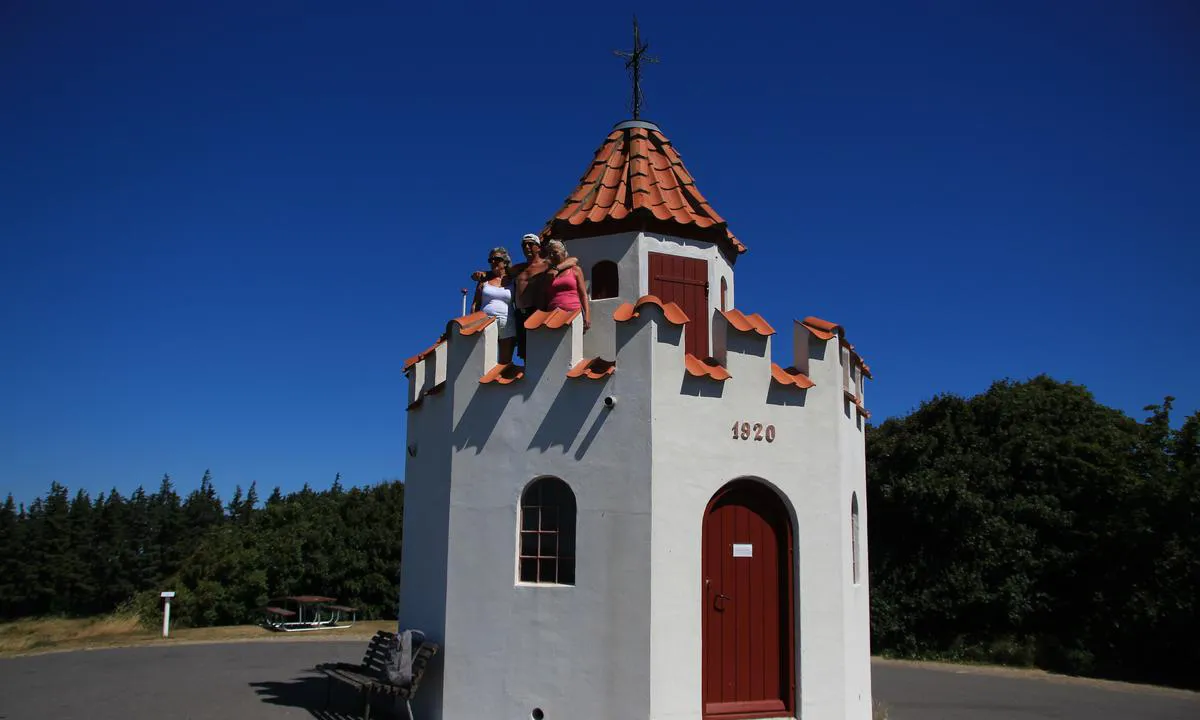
x=652 y=520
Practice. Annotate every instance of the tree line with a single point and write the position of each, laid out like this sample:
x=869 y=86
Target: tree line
x=71 y=555
x=1029 y=524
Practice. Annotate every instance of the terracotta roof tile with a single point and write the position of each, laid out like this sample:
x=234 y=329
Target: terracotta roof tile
x=821 y=328
x=866 y=369
x=636 y=181
x=503 y=374
x=790 y=376
x=593 y=368
x=857 y=403
x=671 y=311
x=748 y=323
x=552 y=319
x=708 y=367
x=423 y=354
x=826 y=330
x=473 y=323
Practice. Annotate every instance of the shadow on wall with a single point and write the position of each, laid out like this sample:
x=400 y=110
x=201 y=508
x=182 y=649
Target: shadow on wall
x=322 y=700
x=484 y=412
x=701 y=387
x=746 y=344
x=785 y=395
x=566 y=416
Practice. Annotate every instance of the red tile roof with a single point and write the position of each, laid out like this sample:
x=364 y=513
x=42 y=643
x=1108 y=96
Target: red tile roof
x=593 y=368
x=671 y=311
x=708 y=367
x=748 y=323
x=637 y=181
x=503 y=374
x=821 y=328
x=552 y=319
x=423 y=354
x=473 y=323
x=790 y=376
x=826 y=330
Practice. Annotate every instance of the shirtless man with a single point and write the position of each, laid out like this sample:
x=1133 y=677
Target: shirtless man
x=527 y=280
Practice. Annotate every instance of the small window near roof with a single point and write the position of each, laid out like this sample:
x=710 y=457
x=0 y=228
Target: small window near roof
x=846 y=371
x=854 y=537
x=724 y=292
x=547 y=543
x=604 y=280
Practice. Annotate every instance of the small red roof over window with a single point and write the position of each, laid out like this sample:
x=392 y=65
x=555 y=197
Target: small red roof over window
x=637 y=181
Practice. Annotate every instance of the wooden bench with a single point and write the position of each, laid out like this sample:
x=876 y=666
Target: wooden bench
x=369 y=677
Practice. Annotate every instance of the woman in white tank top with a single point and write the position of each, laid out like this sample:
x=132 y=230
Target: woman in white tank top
x=493 y=296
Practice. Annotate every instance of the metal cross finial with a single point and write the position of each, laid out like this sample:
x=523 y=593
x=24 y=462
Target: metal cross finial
x=633 y=63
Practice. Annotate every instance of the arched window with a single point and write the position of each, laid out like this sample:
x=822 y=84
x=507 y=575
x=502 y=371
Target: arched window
x=724 y=292
x=604 y=280
x=547 y=553
x=854 y=536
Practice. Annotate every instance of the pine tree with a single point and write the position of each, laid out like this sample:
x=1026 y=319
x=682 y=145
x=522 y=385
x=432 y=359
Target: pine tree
x=234 y=509
x=142 y=543
x=169 y=528
x=117 y=558
x=251 y=500
x=12 y=565
x=201 y=511
x=79 y=579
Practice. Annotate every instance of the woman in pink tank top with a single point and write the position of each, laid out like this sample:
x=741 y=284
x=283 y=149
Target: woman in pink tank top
x=566 y=290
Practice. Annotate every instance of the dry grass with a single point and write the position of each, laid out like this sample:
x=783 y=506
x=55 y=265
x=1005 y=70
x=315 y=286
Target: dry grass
x=39 y=635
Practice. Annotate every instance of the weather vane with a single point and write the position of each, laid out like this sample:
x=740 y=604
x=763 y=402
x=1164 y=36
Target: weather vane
x=633 y=63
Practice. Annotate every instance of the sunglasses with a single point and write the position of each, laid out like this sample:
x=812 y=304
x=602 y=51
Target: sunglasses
x=496 y=260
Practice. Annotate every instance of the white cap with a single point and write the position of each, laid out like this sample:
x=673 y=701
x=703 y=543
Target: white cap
x=531 y=236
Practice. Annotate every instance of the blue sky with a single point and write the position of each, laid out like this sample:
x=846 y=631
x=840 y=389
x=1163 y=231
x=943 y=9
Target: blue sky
x=223 y=226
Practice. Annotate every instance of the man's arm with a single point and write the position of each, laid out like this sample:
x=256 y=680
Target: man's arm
x=568 y=263
x=509 y=276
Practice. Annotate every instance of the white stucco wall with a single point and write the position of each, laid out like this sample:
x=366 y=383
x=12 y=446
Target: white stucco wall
x=574 y=652
x=625 y=640
x=630 y=251
x=808 y=464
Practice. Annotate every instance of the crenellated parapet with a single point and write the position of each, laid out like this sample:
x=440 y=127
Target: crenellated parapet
x=742 y=361
x=814 y=338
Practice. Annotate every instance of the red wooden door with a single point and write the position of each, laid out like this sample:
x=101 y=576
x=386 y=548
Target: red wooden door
x=747 y=615
x=684 y=281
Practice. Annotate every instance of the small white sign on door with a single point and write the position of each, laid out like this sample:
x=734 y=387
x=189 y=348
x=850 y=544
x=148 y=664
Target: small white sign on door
x=743 y=550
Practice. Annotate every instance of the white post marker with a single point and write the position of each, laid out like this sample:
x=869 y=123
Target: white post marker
x=166 y=595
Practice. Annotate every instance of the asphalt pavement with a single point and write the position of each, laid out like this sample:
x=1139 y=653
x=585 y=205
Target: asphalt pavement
x=274 y=680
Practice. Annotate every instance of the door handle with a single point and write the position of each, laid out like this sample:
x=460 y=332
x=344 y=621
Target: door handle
x=719 y=602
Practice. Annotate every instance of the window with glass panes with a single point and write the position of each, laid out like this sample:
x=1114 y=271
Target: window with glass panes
x=547 y=553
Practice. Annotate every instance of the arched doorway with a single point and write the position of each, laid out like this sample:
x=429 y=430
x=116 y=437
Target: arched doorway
x=748 y=628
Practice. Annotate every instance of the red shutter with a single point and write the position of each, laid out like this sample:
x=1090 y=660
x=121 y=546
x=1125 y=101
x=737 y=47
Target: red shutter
x=684 y=281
